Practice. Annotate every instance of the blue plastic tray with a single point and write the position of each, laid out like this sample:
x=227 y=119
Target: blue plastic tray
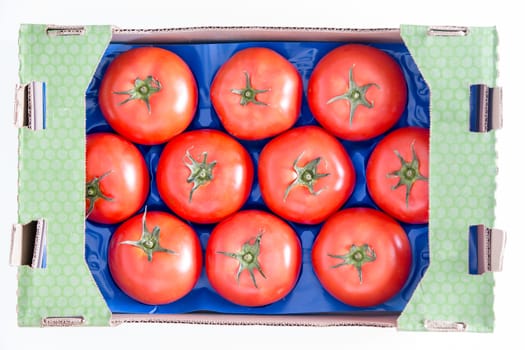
x=308 y=296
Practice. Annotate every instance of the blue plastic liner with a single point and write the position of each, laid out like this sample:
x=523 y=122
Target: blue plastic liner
x=308 y=296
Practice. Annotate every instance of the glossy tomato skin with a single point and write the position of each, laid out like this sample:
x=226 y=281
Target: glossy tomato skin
x=168 y=276
x=382 y=276
x=231 y=175
x=167 y=111
x=383 y=174
x=275 y=108
x=279 y=258
x=115 y=169
x=383 y=92
x=278 y=175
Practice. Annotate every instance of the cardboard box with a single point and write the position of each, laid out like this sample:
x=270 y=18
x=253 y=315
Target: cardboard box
x=459 y=65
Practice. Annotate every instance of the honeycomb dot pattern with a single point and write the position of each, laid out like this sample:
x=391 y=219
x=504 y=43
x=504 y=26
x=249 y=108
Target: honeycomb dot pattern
x=462 y=178
x=51 y=175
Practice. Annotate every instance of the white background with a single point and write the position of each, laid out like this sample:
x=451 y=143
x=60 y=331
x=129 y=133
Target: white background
x=367 y=14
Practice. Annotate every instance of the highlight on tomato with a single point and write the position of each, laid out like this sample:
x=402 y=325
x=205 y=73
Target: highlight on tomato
x=257 y=94
x=148 y=95
x=362 y=257
x=253 y=258
x=155 y=258
x=357 y=92
x=204 y=175
x=305 y=175
x=117 y=178
x=397 y=174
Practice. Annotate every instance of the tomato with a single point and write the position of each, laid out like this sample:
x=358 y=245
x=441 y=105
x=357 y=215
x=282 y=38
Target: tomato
x=397 y=174
x=305 y=175
x=155 y=258
x=362 y=257
x=253 y=258
x=257 y=94
x=148 y=95
x=117 y=179
x=204 y=175
x=357 y=92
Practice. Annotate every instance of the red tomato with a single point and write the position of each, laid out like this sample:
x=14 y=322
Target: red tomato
x=253 y=258
x=357 y=92
x=204 y=175
x=305 y=175
x=148 y=95
x=397 y=174
x=117 y=179
x=257 y=94
x=155 y=258
x=362 y=257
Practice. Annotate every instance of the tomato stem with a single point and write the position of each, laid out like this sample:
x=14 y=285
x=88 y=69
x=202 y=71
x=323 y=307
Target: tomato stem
x=93 y=192
x=248 y=93
x=357 y=256
x=248 y=258
x=200 y=172
x=149 y=242
x=142 y=90
x=355 y=95
x=307 y=176
x=408 y=174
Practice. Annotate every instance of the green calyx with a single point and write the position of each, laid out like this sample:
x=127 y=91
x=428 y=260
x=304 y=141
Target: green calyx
x=307 y=176
x=248 y=93
x=355 y=95
x=142 y=90
x=357 y=256
x=248 y=258
x=93 y=192
x=200 y=172
x=408 y=174
x=149 y=241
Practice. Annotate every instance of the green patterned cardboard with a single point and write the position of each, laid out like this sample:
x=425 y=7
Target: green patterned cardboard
x=51 y=175
x=462 y=178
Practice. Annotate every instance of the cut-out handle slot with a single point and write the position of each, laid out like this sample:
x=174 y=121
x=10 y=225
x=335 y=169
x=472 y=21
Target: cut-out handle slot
x=485 y=108
x=65 y=30
x=30 y=105
x=28 y=244
x=445 y=326
x=447 y=31
x=486 y=246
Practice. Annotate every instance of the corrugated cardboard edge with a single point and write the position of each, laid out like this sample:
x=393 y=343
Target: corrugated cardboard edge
x=491 y=246
x=28 y=243
x=255 y=33
x=324 y=320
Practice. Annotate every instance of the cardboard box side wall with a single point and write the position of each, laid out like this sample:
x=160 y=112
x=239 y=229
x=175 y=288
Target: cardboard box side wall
x=462 y=178
x=52 y=172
